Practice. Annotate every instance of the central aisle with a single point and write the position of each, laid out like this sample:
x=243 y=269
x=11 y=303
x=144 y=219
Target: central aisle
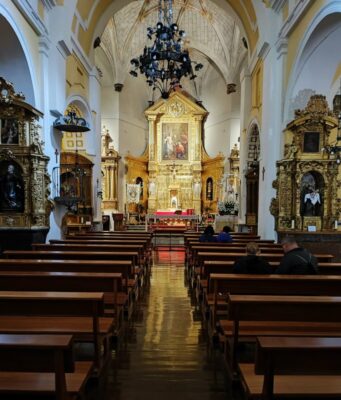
x=166 y=356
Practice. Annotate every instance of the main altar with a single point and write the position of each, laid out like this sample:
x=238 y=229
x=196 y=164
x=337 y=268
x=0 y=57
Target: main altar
x=175 y=172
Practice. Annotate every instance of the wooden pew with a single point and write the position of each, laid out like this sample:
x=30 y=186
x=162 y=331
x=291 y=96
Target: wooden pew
x=41 y=365
x=85 y=247
x=73 y=255
x=108 y=283
x=125 y=268
x=250 y=316
x=294 y=367
x=76 y=313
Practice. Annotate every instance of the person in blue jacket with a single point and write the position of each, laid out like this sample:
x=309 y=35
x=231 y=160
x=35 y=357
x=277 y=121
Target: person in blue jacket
x=208 y=235
x=225 y=236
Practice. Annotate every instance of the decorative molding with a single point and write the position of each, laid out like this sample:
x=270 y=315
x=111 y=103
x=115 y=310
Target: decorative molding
x=281 y=47
x=31 y=17
x=63 y=48
x=49 y=4
x=80 y=54
x=44 y=45
x=231 y=88
x=277 y=5
x=264 y=50
x=294 y=17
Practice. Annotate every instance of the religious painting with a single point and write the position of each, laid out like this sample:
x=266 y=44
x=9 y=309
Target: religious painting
x=12 y=187
x=9 y=131
x=311 y=143
x=174 y=141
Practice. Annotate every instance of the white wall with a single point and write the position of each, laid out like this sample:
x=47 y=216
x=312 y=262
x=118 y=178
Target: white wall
x=223 y=123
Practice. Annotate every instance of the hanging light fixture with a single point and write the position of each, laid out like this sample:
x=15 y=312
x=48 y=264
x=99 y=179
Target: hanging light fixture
x=165 y=62
x=71 y=123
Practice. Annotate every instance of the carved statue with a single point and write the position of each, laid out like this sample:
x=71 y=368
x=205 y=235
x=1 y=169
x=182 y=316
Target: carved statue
x=12 y=190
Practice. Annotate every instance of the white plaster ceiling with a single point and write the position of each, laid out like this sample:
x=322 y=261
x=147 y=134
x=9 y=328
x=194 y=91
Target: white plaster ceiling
x=212 y=36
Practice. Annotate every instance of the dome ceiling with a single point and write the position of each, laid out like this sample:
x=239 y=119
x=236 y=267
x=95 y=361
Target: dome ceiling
x=212 y=35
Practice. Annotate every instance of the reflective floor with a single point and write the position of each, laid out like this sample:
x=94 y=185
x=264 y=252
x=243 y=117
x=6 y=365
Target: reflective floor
x=165 y=356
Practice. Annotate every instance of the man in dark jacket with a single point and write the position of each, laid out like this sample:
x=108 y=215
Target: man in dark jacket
x=251 y=263
x=296 y=260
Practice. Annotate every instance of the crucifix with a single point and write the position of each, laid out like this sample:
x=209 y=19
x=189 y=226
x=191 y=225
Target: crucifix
x=263 y=172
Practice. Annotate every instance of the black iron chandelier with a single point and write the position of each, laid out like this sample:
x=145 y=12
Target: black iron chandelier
x=165 y=62
x=334 y=150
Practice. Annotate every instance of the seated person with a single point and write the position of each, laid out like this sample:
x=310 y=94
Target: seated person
x=296 y=260
x=208 y=235
x=224 y=236
x=251 y=263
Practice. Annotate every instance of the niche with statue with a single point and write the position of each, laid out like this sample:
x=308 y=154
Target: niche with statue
x=24 y=182
x=308 y=177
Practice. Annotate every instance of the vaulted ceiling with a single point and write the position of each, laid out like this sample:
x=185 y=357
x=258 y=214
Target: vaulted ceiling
x=212 y=35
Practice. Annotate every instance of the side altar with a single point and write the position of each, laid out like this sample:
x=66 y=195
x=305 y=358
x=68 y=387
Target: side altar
x=175 y=172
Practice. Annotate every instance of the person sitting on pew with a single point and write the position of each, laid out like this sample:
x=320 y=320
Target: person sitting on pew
x=208 y=235
x=224 y=236
x=296 y=260
x=252 y=263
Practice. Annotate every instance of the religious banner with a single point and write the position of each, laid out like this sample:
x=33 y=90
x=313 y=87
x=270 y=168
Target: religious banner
x=133 y=193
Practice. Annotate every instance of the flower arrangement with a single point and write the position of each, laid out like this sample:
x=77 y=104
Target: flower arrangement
x=227 y=208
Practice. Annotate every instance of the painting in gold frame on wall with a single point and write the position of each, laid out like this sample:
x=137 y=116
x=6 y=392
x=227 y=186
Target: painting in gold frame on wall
x=174 y=141
x=9 y=129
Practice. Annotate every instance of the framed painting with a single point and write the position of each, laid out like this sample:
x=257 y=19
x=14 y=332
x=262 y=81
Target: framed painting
x=174 y=141
x=9 y=128
x=311 y=142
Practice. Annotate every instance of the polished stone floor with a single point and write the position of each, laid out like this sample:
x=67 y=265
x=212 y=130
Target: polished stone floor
x=165 y=356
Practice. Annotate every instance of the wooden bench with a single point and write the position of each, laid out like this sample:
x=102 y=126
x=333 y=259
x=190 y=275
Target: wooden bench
x=77 y=313
x=85 y=247
x=294 y=367
x=250 y=316
x=41 y=365
x=130 y=282
x=108 y=283
x=131 y=256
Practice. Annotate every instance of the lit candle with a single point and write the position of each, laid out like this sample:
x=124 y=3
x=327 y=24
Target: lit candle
x=336 y=224
x=292 y=224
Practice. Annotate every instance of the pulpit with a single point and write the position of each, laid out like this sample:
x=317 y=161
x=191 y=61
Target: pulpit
x=118 y=221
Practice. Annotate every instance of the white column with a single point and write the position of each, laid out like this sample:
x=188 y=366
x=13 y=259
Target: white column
x=245 y=111
x=271 y=135
x=93 y=141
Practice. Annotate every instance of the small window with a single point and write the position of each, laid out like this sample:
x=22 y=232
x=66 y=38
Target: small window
x=311 y=142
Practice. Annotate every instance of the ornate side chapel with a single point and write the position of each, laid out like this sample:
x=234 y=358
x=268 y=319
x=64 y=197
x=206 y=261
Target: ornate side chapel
x=24 y=181
x=308 y=178
x=175 y=167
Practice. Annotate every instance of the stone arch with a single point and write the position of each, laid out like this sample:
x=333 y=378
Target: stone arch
x=319 y=42
x=16 y=64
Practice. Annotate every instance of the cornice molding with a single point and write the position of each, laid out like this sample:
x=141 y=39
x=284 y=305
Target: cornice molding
x=31 y=17
x=49 y=4
x=76 y=47
x=63 y=48
x=281 y=47
x=277 y=5
x=294 y=17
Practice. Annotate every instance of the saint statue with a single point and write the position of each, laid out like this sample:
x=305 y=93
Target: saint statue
x=12 y=190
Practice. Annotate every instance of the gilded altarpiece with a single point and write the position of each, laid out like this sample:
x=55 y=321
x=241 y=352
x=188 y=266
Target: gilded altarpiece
x=308 y=181
x=24 y=181
x=175 y=166
x=175 y=153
